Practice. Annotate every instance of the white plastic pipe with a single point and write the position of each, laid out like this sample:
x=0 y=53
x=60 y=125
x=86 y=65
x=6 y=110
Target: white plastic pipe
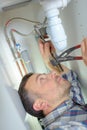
x=49 y=4
x=55 y=28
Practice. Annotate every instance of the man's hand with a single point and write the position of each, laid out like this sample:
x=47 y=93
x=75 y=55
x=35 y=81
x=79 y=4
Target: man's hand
x=84 y=50
x=46 y=49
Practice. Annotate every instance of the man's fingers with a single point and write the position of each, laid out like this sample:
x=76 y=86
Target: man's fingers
x=84 y=50
x=52 y=48
x=41 y=46
x=83 y=45
x=47 y=49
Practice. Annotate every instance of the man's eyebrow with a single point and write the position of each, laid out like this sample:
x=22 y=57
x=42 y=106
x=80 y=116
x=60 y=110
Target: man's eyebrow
x=37 y=77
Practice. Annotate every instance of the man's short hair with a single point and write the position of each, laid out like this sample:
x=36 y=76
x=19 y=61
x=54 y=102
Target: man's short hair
x=27 y=98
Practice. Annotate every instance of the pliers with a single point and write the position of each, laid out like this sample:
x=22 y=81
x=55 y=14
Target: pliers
x=64 y=56
x=38 y=32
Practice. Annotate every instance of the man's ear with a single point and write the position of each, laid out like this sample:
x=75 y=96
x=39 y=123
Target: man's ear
x=40 y=104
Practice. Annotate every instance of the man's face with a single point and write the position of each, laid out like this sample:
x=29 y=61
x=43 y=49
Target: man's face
x=51 y=87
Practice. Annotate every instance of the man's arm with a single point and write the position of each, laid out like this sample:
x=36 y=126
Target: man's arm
x=46 y=49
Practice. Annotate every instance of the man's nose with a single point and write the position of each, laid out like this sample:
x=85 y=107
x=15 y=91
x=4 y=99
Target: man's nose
x=52 y=74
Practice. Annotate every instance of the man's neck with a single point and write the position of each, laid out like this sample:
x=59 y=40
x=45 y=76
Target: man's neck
x=53 y=106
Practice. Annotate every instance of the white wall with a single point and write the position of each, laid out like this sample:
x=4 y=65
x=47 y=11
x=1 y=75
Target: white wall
x=74 y=19
x=12 y=113
x=28 y=43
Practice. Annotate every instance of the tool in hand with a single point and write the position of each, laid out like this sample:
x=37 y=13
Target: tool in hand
x=64 y=56
x=37 y=30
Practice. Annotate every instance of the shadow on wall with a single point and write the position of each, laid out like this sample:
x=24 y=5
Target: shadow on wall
x=12 y=113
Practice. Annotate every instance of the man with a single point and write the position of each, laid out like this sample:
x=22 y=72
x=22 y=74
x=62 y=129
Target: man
x=55 y=97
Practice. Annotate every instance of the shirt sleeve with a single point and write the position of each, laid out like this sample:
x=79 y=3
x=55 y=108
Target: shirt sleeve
x=70 y=126
x=75 y=91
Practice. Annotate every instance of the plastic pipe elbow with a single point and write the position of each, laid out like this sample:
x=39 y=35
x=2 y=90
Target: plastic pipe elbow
x=49 y=4
x=55 y=28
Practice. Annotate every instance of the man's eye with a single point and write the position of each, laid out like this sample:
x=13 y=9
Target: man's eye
x=42 y=79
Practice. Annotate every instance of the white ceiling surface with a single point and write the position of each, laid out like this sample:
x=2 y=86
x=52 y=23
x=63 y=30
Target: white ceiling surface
x=7 y=3
x=4 y=3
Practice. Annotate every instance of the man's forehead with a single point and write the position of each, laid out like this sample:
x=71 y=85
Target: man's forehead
x=31 y=80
